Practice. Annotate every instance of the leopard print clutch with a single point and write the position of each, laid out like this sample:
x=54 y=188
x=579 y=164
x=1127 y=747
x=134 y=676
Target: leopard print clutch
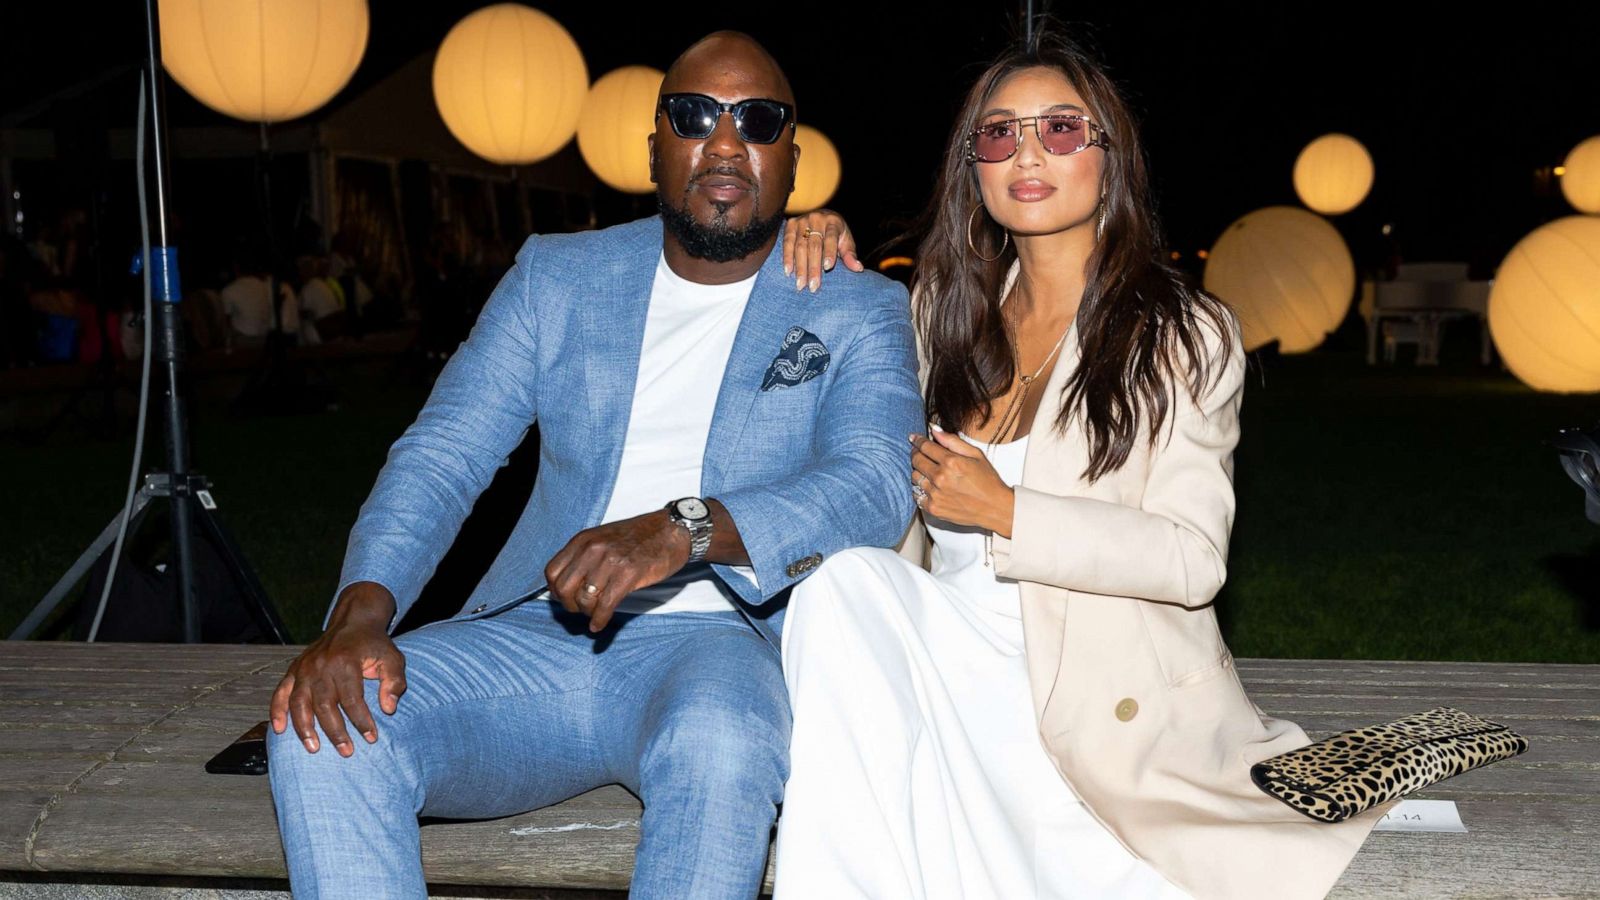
x=1334 y=779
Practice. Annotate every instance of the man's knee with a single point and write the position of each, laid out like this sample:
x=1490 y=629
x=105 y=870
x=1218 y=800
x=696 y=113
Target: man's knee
x=383 y=762
x=730 y=744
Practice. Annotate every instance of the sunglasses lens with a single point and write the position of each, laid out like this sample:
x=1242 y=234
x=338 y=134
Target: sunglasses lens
x=995 y=142
x=692 y=117
x=760 y=121
x=1062 y=135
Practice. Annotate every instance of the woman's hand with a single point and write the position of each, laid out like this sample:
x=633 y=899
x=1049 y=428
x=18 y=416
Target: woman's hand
x=959 y=485
x=812 y=243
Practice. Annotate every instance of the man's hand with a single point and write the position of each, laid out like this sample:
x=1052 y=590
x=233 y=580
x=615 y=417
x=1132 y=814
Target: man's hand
x=327 y=677
x=601 y=565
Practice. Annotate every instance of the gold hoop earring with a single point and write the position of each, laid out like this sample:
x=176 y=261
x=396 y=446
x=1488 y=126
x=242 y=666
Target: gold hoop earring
x=1006 y=240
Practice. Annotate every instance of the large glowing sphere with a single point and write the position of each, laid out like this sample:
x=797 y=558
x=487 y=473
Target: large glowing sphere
x=1333 y=174
x=1287 y=274
x=263 y=60
x=818 y=175
x=510 y=83
x=1544 y=308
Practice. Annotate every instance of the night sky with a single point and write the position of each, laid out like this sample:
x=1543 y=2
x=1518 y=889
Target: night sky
x=1459 y=111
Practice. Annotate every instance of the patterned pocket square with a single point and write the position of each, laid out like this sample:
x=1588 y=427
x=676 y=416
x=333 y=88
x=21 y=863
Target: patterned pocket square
x=801 y=358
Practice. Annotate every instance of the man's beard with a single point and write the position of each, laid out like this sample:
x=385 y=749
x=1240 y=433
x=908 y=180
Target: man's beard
x=718 y=242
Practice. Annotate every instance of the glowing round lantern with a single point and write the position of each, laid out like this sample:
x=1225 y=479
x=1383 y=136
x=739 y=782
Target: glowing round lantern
x=1288 y=275
x=1333 y=174
x=1581 y=181
x=617 y=120
x=510 y=83
x=263 y=60
x=818 y=175
x=1544 y=308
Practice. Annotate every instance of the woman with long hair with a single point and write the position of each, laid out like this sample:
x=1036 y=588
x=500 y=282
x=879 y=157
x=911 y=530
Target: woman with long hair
x=1048 y=709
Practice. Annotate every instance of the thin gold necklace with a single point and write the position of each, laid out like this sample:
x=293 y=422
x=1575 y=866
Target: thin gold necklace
x=1011 y=420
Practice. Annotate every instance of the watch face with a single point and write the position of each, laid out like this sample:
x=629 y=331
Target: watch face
x=693 y=508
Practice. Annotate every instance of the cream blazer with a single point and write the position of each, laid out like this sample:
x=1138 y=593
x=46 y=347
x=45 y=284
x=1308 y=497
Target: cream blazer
x=1135 y=692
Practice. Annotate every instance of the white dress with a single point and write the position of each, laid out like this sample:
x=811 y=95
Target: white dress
x=916 y=768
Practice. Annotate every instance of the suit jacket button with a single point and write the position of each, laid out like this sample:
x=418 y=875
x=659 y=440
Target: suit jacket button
x=480 y=609
x=1127 y=708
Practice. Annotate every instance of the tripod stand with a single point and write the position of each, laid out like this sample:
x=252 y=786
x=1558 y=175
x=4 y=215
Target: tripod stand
x=187 y=493
x=159 y=486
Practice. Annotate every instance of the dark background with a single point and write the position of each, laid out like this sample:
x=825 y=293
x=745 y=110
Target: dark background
x=1463 y=112
x=1387 y=512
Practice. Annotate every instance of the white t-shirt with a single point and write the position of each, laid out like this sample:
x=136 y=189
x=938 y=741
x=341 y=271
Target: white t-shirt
x=318 y=300
x=688 y=335
x=244 y=302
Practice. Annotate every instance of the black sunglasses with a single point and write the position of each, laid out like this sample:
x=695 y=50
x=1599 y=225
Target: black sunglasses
x=695 y=116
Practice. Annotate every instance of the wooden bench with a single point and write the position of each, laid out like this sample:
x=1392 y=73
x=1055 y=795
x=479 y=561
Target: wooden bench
x=102 y=747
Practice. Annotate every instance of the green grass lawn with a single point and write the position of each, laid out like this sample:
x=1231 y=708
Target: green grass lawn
x=1389 y=513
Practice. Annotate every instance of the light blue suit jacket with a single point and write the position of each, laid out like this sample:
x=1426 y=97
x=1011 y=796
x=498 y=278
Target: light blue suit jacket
x=804 y=471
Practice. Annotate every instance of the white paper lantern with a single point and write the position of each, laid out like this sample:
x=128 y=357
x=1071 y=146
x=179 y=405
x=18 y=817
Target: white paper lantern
x=510 y=82
x=1581 y=182
x=263 y=60
x=1544 y=308
x=818 y=175
x=617 y=120
x=1333 y=174
x=1287 y=274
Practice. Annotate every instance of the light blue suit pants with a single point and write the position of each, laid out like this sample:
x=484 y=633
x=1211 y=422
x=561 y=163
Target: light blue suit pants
x=524 y=709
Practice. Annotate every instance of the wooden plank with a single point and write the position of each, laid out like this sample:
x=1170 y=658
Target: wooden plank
x=47 y=774
x=66 y=716
x=131 y=680
x=116 y=823
x=69 y=742
x=152 y=809
x=1412 y=666
x=1370 y=709
x=178 y=657
x=255 y=690
x=18 y=810
x=1528 y=698
x=1566 y=739
x=1510 y=850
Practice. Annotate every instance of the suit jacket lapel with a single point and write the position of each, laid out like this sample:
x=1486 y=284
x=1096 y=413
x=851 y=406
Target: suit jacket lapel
x=771 y=310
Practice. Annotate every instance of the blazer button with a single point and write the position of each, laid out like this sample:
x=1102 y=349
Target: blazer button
x=480 y=609
x=1127 y=709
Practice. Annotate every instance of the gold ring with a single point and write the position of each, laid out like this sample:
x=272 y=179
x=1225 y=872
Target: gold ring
x=810 y=233
x=590 y=589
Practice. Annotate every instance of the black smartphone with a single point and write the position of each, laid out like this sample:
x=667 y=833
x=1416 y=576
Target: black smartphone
x=247 y=755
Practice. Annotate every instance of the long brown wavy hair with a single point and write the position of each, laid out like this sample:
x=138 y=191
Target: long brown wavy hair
x=1139 y=320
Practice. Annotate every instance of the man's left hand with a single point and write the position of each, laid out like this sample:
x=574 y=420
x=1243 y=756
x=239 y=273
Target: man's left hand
x=601 y=565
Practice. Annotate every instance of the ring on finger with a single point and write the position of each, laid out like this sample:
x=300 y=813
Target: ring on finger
x=811 y=232
x=590 y=588
x=918 y=492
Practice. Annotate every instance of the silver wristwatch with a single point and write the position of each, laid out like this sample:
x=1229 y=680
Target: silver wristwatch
x=693 y=514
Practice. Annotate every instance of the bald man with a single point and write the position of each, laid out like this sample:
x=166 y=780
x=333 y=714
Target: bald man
x=709 y=434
